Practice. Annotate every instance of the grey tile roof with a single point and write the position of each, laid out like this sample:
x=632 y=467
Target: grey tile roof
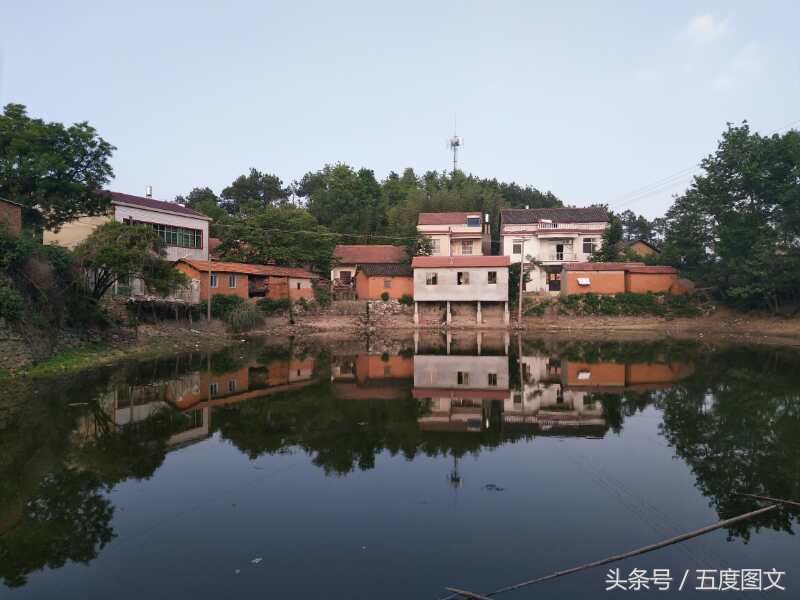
x=522 y=216
x=386 y=269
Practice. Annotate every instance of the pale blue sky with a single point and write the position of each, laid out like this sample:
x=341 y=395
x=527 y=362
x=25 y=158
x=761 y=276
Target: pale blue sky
x=592 y=100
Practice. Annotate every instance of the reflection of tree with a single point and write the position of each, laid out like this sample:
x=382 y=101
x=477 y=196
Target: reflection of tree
x=66 y=518
x=736 y=422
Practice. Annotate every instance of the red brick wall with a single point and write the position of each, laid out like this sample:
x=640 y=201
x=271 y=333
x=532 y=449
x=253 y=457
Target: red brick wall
x=222 y=288
x=641 y=283
x=601 y=282
x=11 y=215
x=371 y=288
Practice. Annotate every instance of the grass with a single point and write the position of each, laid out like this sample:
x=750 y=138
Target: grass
x=627 y=304
x=73 y=359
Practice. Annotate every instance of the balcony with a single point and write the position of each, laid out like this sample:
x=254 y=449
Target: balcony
x=555 y=257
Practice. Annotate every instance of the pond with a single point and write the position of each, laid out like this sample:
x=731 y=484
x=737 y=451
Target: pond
x=371 y=468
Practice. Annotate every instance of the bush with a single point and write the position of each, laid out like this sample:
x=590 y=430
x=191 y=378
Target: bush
x=406 y=299
x=629 y=304
x=11 y=304
x=243 y=318
x=385 y=296
x=270 y=306
x=535 y=309
x=221 y=305
x=303 y=303
x=323 y=297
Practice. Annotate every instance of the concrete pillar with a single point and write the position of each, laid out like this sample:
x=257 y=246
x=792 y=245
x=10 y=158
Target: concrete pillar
x=416 y=342
x=480 y=342
x=449 y=316
x=507 y=341
x=449 y=338
x=479 y=314
x=416 y=313
x=505 y=313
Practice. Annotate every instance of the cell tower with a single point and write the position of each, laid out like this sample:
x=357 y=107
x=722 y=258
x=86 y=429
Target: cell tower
x=455 y=143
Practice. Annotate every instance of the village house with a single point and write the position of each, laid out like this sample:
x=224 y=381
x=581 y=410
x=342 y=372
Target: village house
x=11 y=216
x=549 y=238
x=372 y=376
x=456 y=233
x=374 y=280
x=250 y=282
x=348 y=257
x=638 y=247
x=616 y=278
x=471 y=289
x=184 y=231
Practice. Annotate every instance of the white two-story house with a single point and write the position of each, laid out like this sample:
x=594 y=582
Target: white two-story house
x=547 y=238
x=456 y=233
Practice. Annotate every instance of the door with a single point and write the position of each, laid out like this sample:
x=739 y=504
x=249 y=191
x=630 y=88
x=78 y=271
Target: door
x=554 y=282
x=559 y=251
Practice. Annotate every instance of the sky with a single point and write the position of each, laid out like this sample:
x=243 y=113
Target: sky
x=598 y=102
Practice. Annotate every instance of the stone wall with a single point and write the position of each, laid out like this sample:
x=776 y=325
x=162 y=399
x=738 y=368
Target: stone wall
x=15 y=352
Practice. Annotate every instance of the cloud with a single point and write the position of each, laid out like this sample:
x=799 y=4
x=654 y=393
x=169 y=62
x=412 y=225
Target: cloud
x=705 y=29
x=746 y=64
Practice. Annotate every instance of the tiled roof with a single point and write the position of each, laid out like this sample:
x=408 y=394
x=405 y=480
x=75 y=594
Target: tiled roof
x=386 y=270
x=523 y=216
x=630 y=267
x=247 y=269
x=152 y=204
x=358 y=254
x=10 y=202
x=446 y=218
x=421 y=262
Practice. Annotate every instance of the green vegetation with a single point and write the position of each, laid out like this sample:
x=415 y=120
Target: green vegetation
x=221 y=305
x=244 y=318
x=385 y=296
x=11 y=304
x=627 y=304
x=270 y=306
x=535 y=308
x=406 y=299
x=323 y=296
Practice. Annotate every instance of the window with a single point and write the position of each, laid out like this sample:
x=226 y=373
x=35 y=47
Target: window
x=492 y=379
x=231 y=385
x=298 y=285
x=387 y=283
x=431 y=278
x=462 y=278
x=181 y=237
x=232 y=281
x=517 y=397
x=213 y=390
x=463 y=378
x=435 y=246
x=589 y=245
x=345 y=276
x=473 y=221
x=213 y=280
x=492 y=277
x=516 y=248
x=466 y=247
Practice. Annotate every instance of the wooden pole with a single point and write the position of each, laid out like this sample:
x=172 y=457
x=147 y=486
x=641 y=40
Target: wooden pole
x=208 y=316
x=617 y=557
x=770 y=499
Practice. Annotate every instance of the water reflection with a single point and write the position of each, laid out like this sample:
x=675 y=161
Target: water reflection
x=732 y=415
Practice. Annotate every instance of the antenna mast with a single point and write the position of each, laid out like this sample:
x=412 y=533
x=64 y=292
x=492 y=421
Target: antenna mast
x=455 y=143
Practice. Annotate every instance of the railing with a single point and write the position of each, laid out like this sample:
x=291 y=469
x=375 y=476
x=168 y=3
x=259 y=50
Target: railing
x=564 y=256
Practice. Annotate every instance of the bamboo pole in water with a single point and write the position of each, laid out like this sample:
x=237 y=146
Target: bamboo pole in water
x=792 y=503
x=617 y=557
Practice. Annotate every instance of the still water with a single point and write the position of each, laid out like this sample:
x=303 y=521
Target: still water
x=372 y=469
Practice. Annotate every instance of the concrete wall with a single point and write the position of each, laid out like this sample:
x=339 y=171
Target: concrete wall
x=11 y=215
x=601 y=282
x=73 y=233
x=299 y=288
x=122 y=213
x=371 y=288
x=336 y=272
x=447 y=287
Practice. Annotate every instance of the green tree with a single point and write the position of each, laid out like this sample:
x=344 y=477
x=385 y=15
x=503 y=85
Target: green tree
x=254 y=191
x=203 y=200
x=117 y=252
x=58 y=170
x=612 y=237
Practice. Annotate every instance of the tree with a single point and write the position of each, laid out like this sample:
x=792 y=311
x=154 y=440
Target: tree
x=253 y=191
x=612 y=237
x=118 y=252
x=738 y=225
x=203 y=200
x=56 y=169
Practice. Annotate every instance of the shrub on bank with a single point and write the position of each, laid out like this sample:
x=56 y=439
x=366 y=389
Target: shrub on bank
x=271 y=306
x=629 y=304
x=535 y=308
x=11 y=304
x=323 y=297
x=221 y=305
x=243 y=318
x=406 y=300
x=385 y=296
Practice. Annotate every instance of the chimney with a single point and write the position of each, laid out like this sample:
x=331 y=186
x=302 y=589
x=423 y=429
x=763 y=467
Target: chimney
x=148 y=191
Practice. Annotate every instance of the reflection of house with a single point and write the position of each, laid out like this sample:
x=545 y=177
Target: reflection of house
x=619 y=377
x=249 y=281
x=372 y=377
x=459 y=390
x=456 y=233
x=552 y=237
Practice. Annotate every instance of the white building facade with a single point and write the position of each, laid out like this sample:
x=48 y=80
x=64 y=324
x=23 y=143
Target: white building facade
x=550 y=238
x=456 y=233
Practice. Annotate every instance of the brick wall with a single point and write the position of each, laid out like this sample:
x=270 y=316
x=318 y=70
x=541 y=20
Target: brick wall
x=11 y=215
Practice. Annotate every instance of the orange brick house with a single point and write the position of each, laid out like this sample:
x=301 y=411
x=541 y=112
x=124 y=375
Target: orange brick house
x=616 y=278
x=11 y=215
x=247 y=281
x=348 y=257
x=372 y=280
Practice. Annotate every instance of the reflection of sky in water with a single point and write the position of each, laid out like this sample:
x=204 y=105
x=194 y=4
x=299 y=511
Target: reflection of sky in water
x=359 y=472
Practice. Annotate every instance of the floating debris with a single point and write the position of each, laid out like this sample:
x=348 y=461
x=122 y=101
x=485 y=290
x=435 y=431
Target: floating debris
x=490 y=487
x=255 y=561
